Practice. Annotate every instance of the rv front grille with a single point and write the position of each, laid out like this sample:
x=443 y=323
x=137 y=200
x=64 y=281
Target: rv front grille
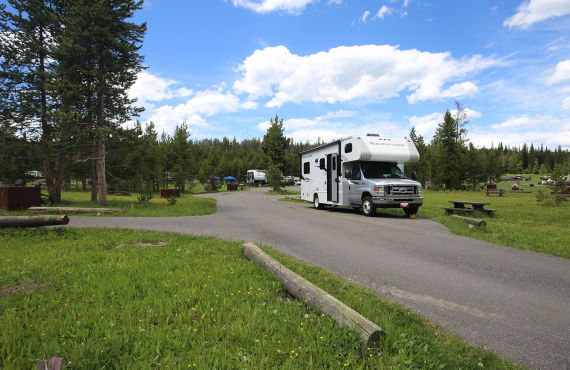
x=400 y=189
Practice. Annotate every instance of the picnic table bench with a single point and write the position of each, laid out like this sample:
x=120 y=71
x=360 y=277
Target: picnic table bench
x=460 y=206
x=491 y=191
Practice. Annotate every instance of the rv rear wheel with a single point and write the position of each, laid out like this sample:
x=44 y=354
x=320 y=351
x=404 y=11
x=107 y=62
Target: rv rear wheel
x=368 y=208
x=316 y=202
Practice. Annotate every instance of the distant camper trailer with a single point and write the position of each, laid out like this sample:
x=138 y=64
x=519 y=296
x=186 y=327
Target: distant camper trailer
x=361 y=172
x=255 y=178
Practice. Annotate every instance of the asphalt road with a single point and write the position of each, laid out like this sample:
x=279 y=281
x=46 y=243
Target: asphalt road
x=512 y=302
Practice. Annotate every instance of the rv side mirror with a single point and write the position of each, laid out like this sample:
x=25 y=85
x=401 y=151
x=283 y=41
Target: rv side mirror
x=414 y=175
x=347 y=174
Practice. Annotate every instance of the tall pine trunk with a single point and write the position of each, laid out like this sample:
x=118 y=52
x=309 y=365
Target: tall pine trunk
x=100 y=158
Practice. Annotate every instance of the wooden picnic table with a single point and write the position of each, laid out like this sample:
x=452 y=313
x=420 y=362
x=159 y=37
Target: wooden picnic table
x=500 y=192
x=466 y=207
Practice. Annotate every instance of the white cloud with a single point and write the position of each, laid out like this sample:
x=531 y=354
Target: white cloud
x=337 y=114
x=149 y=87
x=203 y=103
x=534 y=11
x=383 y=11
x=356 y=72
x=364 y=16
x=548 y=130
x=297 y=123
x=426 y=125
x=566 y=104
x=517 y=123
x=268 y=6
x=561 y=73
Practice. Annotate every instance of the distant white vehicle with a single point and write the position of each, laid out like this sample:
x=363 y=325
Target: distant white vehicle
x=255 y=177
x=361 y=172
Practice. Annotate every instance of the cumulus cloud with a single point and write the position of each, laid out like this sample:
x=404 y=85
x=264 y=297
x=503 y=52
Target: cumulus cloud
x=297 y=123
x=426 y=125
x=268 y=6
x=533 y=11
x=202 y=104
x=383 y=11
x=566 y=104
x=149 y=88
x=517 y=123
x=561 y=73
x=364 y=16
x=356 y=72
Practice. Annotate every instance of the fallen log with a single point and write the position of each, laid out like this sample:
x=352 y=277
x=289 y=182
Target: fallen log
x=315 y=297
x=75 y=209
x=32 y=221
x=470 y=220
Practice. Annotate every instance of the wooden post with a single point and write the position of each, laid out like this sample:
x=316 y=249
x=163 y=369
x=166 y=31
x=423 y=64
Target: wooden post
x=32 y=221
x=315 y=297
x=469 y=220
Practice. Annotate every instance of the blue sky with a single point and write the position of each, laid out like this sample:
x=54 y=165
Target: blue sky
x=333 y=68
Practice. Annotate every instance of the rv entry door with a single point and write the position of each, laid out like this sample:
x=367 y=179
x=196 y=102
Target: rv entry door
x=333 y=170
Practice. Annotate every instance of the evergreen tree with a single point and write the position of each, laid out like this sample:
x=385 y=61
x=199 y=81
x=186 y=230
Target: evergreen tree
x=448 y=151
x=275 y=143
x=27 y=74
x=101 y=50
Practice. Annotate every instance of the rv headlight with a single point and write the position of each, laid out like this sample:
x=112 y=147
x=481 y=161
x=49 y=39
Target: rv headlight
x=379 y=189
x=420 y=189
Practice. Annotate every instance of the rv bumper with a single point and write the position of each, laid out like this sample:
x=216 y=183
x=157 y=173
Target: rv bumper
x=397 y=203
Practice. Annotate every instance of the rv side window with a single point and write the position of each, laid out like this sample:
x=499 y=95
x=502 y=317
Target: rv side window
x=306 y=168
x=334 y=163
x=348 y=148
x=322 y=164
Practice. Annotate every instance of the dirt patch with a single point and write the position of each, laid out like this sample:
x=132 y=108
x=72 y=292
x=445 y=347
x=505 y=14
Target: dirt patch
x=142 y=245
x=5 y=290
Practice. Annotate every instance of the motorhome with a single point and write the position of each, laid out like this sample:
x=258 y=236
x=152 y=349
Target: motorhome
x=362 y=172
x=255 y=177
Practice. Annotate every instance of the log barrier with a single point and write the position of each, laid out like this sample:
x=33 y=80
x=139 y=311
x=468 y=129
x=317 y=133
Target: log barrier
x=315 y=297
x=32 y=221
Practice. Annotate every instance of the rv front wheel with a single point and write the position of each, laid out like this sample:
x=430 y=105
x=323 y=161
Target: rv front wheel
x=316 y=202
x=411 y=211
x=368 y=208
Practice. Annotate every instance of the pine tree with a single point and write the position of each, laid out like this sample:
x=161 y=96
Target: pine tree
x=100 y=47
x=275 y=144
x=28 y=39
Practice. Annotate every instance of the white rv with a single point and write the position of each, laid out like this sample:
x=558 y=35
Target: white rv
x=255 y=177
x=361 y=172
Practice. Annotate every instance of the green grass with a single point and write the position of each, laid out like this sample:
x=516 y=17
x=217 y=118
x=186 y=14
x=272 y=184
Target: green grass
x=186 y=205
x=283 y=192
x=518 y=222
x=194 y=302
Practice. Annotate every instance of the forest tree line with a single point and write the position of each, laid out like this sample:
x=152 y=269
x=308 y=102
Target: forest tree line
x=139 y=159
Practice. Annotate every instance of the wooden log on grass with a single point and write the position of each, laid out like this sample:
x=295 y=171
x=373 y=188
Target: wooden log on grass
x=32 y=221
x=470 y=220
x=315 y=297
x=75 y=209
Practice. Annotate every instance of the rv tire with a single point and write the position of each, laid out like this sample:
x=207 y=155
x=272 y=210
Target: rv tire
x=411 y=210
x=368 y=208
x=316 y=202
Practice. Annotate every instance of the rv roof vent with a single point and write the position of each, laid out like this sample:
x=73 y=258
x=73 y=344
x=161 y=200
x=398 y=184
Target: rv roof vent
x=372 y=135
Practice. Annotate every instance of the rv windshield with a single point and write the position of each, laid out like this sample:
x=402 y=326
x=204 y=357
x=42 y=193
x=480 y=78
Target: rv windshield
x=381 y=170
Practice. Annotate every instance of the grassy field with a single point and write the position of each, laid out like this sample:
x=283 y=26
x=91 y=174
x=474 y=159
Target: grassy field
x=131 y=299
x=283 y=192
x=519 y=221
x=186 y=205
